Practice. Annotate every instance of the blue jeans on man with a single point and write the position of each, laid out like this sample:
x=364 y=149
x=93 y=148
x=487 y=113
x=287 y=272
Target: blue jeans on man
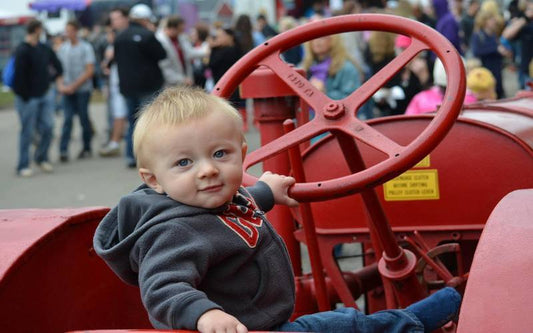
x=77 y=103
x=134 y=106
x=35 y=114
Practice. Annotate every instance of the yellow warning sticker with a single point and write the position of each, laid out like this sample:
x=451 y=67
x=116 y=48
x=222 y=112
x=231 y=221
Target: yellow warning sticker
x=413 y=185
x=424 y=163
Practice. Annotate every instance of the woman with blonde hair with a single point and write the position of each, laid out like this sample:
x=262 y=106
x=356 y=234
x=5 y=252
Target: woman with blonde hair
x=330 y=68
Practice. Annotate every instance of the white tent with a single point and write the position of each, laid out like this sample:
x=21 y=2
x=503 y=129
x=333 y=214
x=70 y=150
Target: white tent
x=7 y=14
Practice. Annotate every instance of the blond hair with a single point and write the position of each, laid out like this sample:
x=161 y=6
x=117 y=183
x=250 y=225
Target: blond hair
x=484 y=15
x=287 y=23
x=337 y=53
x=175 y=106
x=472 y=63
x=381 y=45
x=490 y=6
x=482 y=83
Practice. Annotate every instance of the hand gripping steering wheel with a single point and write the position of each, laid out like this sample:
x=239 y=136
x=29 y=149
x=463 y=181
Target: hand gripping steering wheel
x=340 y=115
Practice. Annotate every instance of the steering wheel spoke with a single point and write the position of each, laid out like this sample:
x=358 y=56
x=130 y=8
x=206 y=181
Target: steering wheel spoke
x=298 y=83
x=365 y=133
x=378 y=80
x=291 y=139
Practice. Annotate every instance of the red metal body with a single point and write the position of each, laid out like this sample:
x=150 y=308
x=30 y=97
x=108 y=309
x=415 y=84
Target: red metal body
x=520 y=104
x=496 y=299
x=473 y=172
x=52 y=281
x=467 y=194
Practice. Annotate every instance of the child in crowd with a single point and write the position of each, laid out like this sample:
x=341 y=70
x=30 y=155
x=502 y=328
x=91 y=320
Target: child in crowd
x=198 y=244
x=481 y=83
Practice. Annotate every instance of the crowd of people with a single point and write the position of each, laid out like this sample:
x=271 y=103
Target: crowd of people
x=135 y=55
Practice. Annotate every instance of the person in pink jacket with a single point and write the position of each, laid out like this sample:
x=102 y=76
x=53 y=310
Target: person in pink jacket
x=428 y=100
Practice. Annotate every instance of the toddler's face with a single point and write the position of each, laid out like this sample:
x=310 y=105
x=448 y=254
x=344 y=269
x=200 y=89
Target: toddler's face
x=198 y=163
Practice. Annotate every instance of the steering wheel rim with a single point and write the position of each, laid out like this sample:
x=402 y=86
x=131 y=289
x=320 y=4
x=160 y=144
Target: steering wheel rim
x=333 y=115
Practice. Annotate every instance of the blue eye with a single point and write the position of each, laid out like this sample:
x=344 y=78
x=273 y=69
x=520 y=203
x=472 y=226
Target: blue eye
x=219 y=154
x=184 y=162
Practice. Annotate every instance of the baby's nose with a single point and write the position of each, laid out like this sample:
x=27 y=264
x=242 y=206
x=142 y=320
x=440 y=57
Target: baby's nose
x=208 y=169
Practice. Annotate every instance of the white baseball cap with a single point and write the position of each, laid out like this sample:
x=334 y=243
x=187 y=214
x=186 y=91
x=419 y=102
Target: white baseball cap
x=439 y=73
x=141 y=11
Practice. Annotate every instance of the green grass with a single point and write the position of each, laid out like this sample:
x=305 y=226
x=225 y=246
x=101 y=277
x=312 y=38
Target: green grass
x=97 y=97
x=7 y=99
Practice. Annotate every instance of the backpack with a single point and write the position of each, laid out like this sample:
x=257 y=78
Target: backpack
x=8 y=73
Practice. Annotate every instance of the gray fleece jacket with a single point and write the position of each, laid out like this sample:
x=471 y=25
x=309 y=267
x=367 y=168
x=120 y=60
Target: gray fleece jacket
x=188 y=260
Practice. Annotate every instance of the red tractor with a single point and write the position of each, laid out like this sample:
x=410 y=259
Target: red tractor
x=433 y=200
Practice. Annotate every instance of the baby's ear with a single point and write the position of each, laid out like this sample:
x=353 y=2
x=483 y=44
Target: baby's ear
x=150 y=179
x=244 y=150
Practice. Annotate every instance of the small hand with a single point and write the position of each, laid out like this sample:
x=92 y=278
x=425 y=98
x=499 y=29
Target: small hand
x=504 y=51
x=66 y=90
x=319 y=84
x=150 y=26
x=215 y=320
x=522 y=21
x=279 y=185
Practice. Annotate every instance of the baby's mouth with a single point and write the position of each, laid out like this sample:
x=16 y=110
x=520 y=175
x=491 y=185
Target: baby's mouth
x=212 y=188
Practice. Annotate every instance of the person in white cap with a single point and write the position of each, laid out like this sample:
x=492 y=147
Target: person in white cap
x=137 y=53
x=142 y=14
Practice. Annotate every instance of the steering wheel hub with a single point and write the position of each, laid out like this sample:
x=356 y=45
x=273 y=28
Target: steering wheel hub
x=334 y=110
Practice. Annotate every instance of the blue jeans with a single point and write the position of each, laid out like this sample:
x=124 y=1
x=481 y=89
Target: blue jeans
x=523 y=78
x=134 y=106
x=77 y=103
x=349 y=320
x=35 y=114
x=425 y=315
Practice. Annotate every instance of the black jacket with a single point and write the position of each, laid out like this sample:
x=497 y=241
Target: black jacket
x=35 y=67
x=220 y=60
x=137 y=53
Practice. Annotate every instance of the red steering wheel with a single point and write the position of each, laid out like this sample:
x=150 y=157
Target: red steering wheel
x=340 y=115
